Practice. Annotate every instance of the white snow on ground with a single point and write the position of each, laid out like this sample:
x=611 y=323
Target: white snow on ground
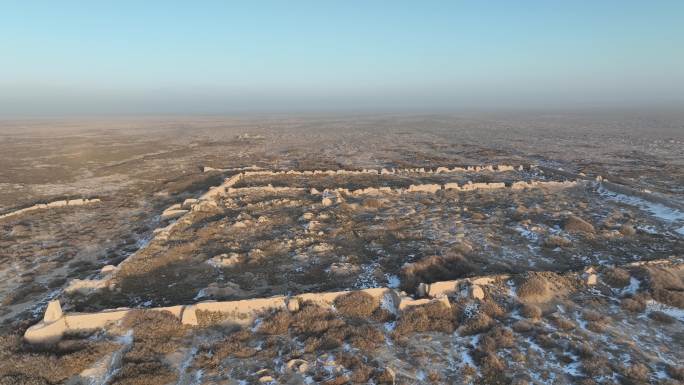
x=573 y=368
x=660 y=211
x=669 y=310
x=114 y=363
x=388 y=303
x=184 y=377
x=389 y=326
x=527 y=233
x=393 y=281
x=632 y=287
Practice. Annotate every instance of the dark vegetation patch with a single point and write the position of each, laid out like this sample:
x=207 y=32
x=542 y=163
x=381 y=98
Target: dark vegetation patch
x=531 y=311
x=634 y=304
x=493 y=367
x=616 y=277
x=54 y=364
x=431 y=317
x=665 y=285
x=304 y=334
x=321 y=328
x=155 y=334
x=575 y=224
x=553 y=241
x=661 y=317
x=542 y=287
x=356 y=304
x=433 y=269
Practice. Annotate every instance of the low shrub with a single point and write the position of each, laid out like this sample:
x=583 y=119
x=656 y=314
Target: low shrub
x=530 y=311
x=433 y=269
x=434 y=316
x=575 y=224
x=616 y=277
x=356 y=304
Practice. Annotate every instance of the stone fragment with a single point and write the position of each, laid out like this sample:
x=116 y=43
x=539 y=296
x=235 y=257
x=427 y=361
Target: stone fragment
x=293 y=305
x=592 y=279
x=298 y=364
x=172 y=214
x=53 y=312
x=46 y=333
x=476 y=292
x=188 y=203
x=422 y=290
x=327 y=202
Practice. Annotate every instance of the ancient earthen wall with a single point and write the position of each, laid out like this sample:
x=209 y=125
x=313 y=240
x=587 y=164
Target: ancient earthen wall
x=55 y=204
x=243 y=312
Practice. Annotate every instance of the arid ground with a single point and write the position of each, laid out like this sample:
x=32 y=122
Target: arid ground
x=572 y=221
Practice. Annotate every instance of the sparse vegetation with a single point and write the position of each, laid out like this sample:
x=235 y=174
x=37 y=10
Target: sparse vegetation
x=296 y=237
x=434 y=268
x=616 y=277
x=575 y=224
x=356 y=304
x=430 y=317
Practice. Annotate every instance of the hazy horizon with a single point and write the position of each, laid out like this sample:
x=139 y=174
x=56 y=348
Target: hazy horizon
x=79 y=58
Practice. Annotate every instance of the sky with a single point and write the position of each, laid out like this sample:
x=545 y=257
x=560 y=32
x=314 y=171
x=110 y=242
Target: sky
x=217 y=57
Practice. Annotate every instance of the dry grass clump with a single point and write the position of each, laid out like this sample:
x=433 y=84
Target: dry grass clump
x=665 y=285
x=563 y=323
x=492 y=309
x=553 y=241
x=155 y=334
x=531 y=311
x=431 y=317
x=144 y=373
x=533 y=287
x=635 y=304
x=582 y=349
x=596 y=366
x=676 y=372
x=596 y=321
x=236 y=344
x=433 y=269
x=152 y=324
x=23 y=364
x=661 y=317
x=476 y=324
x=322 y=329
x=575 y=224
x=542 y=287
x=363 y=370
x=616 y=277
x=356 y=304
x=636 y=373
x=277 y=322
x=522 y=326
x=485 y=353
x=627 y=230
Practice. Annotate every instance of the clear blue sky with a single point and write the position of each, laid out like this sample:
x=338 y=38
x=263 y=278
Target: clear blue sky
x=82 y=57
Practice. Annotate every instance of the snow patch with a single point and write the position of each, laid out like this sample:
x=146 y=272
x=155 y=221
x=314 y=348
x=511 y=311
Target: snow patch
x=660 y=211
x=673 y=312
